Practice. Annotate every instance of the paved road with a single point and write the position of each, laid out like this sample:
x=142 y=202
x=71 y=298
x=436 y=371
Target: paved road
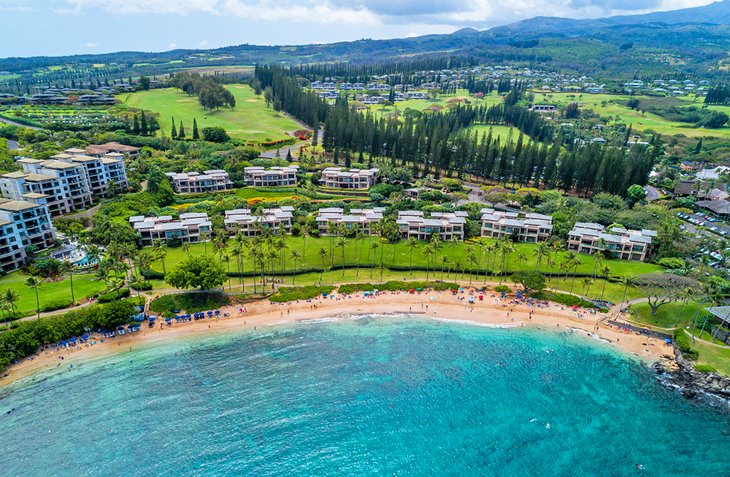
x=652 y=193
x=13 y=145
x=13 y=123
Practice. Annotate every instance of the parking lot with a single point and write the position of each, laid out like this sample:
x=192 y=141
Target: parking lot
x=711 y=224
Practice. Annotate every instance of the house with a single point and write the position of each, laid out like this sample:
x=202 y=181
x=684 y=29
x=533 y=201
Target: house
x=357 y=220
x=244 y=222
x=215 y=180
x=191 y=227
x=272 y=177
x=446 y=225
x=685 y=187
x=618 y=242
x=543 y=108
x=528 y=227
x=64 y=186
x=24 y=225
x=340 y=178
x=721 y=207
x=713 y=174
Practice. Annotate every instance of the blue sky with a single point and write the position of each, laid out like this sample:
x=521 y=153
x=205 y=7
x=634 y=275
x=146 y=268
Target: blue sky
x=61 y=27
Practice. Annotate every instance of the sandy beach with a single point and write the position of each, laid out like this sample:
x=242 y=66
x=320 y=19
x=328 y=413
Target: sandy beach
x=492 y=311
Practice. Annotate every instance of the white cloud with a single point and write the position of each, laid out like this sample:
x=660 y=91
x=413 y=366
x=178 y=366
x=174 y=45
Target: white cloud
x=90 y=45
x=455 y=13
x=172 y=46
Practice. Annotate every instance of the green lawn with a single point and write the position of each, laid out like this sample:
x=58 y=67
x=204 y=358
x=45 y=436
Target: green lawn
x=715 y=356
x=457 y=253
x=267 y=195
x=639 y=121
x=666 y=315
x=250 y=120
x=85 y=285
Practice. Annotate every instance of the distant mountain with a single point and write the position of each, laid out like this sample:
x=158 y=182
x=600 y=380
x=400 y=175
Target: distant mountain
x=689 y=41
x=717 y=13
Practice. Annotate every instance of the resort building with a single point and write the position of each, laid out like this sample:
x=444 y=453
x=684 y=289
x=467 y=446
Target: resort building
x=100 y=150
x=341 y=178
x=64 y=186
x=23 y=225
x=244 y=222
x=196 y=183
x=357 y=220
x=100 y=171
x=273 y=177
x=620 y=243
x=528 y=228
x=191 y=227
x=447 y=225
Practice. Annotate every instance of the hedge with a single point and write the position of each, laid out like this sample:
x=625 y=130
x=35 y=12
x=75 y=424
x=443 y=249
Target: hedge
x=299 y=293
x=113 y=296
x=397 y=286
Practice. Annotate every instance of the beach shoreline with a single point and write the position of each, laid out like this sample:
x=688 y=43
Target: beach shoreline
x=493 y=311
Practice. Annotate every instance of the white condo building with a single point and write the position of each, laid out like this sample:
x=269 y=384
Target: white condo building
x=100 y=171
x=23 y=224
x=215 y=180
x=528 y=227
x=65 y=186
x=341 y=178
x=191 y=227
x=447 y=225
x=357 y=220
x=587 y=237
x=273 y=177
x=252 y=224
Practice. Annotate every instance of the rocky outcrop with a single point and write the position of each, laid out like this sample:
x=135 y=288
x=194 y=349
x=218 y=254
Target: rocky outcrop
x=692 y=383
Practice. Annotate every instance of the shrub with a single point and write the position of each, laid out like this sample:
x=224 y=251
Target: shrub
x=56 y=305
x=671 y=262
x=705 y=368
x=141 y=286
x=681 y=342
x=189 y=302
x=565 y=299
x=503 y=288
x=298 y=293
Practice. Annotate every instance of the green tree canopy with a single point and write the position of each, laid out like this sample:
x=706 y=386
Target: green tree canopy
x=201 y=272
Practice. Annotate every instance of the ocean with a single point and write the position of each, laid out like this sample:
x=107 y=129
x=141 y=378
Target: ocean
x=360 y=397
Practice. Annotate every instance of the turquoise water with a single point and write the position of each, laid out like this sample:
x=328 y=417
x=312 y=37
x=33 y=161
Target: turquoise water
x=367 y=397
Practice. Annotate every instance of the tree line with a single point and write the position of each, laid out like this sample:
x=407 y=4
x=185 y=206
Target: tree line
x=432 y=143
x=210 y=92
x=719 y=94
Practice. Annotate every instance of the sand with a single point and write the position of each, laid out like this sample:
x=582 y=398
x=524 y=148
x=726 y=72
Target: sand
x=491 y=311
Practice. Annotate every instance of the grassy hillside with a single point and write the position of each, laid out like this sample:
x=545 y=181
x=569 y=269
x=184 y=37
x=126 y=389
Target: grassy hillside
x=250 y=120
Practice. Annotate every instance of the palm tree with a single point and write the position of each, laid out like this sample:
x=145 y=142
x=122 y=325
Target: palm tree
x=374 y=247
x=322 y=255
x=160 y=251
x=295 y=256
x=411 y=244
x=541 y=251
x=473 y=262
x=444 y=261
x=428 y=252
x=507 y=248
x=254 y=253
x=332 y=231
x=597 y=261
x=69 y=268
x=227 y=260
x=575 y=263
x=204 y=236
x=605 y=271
x=490 y=250
x=11 y=297
x=587 y=281
x=686 y=296
x=186 y=248
x=35 y=283
x=359 y=237
x=341 y=244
